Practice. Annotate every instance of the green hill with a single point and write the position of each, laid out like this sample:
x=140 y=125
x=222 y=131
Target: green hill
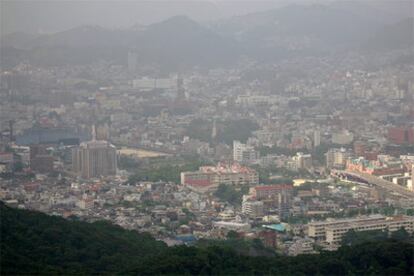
x=32 y=242
x=35 y=243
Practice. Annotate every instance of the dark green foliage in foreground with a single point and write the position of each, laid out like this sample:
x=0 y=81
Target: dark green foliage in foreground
x=34 y=243
x=354 y=238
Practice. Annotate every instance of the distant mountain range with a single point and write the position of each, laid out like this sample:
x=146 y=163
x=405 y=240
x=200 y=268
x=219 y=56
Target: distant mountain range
x=180 y=42
x=394 y=36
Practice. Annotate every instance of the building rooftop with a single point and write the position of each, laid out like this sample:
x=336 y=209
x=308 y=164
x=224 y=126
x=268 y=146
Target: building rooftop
x=273 y=187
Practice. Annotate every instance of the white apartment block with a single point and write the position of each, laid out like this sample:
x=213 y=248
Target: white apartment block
x=333 y=231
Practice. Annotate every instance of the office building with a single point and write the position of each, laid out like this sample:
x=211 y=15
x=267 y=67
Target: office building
x=95 y=158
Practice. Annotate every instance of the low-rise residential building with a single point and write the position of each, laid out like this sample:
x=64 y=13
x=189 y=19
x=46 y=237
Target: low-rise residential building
x=253 y=209
x=301 y=246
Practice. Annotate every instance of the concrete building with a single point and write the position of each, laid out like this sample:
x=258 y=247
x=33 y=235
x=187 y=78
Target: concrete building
x=302 y=161
x=284 y=204
x=95 y=158
x=336 y=158
x=232 y=226
x=386 y=169
x=244 y=153
x=274 y=196
x=316 y=138
x=317 y=229
x=332 y=231
x=269 y=191
x=253 y=209
x=209 y=177
x=402 y=135
x=301 y=246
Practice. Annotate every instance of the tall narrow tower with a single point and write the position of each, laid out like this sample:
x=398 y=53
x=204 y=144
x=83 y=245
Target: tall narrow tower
x=11 y=137
x=214 y=131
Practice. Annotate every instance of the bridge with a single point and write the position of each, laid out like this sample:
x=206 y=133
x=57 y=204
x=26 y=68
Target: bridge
x=374 y=180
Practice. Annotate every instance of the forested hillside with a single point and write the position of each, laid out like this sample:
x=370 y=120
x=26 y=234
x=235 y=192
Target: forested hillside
x=35 y=243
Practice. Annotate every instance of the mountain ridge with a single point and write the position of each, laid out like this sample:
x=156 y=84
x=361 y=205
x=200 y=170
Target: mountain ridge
x=180 y=42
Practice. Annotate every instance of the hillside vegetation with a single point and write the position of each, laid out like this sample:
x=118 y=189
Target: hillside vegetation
x=35 y=243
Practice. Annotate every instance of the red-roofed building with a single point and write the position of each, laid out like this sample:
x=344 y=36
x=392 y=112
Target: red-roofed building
x=209 y=177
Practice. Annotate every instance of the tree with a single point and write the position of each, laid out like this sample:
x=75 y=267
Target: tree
x=229 y=194
x=401 y=234
x=35 y=243
x=227 y=131
x=232 y=235
x=353 y=237
x=18 y=166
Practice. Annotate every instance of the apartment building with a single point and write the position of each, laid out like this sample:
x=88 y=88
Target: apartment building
x=332 y=231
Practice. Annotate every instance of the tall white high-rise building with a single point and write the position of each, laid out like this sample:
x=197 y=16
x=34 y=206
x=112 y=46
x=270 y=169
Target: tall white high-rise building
x=316 y=138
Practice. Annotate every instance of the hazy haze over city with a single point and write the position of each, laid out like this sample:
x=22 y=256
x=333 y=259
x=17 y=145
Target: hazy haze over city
x=207 y=137
x=40 y=16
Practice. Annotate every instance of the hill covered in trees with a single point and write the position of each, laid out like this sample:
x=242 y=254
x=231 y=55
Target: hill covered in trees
x=35 y=243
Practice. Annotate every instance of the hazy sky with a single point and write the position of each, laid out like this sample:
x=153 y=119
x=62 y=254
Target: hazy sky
x=39 y=16
x=56 y=15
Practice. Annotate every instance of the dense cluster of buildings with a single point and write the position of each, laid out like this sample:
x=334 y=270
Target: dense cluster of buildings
x=321 y=130
x=267 y=200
